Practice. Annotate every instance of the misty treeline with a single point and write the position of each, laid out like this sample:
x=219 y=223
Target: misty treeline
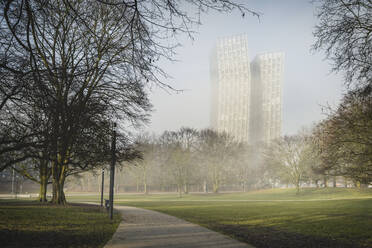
x=209 y=161
x=68 y=69
x=183 y=161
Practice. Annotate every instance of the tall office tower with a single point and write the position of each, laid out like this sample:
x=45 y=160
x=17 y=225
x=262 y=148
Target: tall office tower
x=266 y=116
x=230 y=76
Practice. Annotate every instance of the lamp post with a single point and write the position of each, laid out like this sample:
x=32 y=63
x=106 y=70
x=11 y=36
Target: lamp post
x=102 y=185
x=112 y=170
x=13 y=191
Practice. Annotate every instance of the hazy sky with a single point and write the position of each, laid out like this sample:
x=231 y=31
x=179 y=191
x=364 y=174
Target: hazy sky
x=285 y=26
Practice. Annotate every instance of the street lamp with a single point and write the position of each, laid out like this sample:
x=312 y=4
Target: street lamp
x=102 y=185
x=112 y=170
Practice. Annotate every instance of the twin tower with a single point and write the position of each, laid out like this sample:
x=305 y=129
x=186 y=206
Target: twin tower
x=246 y=96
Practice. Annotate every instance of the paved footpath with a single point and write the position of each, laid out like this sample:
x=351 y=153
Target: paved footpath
x=146 y=228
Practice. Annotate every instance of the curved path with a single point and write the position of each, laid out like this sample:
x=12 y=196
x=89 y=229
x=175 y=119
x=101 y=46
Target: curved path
x=146 y=228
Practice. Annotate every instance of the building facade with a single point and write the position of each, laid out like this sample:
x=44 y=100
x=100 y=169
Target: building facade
x=266 y=100
x=231 y=86
x=246 y=97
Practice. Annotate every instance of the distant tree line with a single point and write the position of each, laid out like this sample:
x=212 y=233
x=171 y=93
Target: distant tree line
x=186 y=160
x=204 y=159
x=208 y=161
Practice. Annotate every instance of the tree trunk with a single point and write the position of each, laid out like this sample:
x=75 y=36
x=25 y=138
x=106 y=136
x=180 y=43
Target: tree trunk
x=205 y=189
x=58 y=194
x=334 y=182
x=144 y=181
x=179 y=189
x=43 y=189
x=58 y=181
x=186 y=188
x=215 y=187
x=137 y=184
x=297 y=186
x=325 y=181
x=145 y=188
x=215 y=181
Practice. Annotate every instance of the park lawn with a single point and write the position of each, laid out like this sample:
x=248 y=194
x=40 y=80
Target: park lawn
x=306 y=194
x=310 y=220
x=31 y=224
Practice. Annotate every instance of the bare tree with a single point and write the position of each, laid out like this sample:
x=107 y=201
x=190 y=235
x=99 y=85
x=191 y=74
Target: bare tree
x=176 y=160
x=217 y=149
x=144 y=165
x=344 y=32
x=288 y=159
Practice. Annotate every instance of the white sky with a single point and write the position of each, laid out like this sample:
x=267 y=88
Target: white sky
x=286 y=26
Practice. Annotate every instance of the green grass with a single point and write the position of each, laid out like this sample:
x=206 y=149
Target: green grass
x=331 y=217
x=30 y=224
x=307 y=194
x=342 y=223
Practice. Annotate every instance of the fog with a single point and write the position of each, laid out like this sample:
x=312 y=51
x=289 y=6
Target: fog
x=284 y=26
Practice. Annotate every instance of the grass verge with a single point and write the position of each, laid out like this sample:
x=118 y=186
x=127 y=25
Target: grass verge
x=31 y=224
x=310 y=220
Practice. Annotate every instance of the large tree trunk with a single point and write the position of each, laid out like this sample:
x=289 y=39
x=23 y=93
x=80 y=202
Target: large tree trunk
x=58 y=181
x=44 y=176
x=43 y=190
x=58 y=194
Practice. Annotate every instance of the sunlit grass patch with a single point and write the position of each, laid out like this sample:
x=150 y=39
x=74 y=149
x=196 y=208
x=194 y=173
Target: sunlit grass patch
x=306 y=194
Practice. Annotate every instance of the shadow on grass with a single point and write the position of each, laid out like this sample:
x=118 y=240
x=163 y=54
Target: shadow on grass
x=16 y=238
x=266 y=237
